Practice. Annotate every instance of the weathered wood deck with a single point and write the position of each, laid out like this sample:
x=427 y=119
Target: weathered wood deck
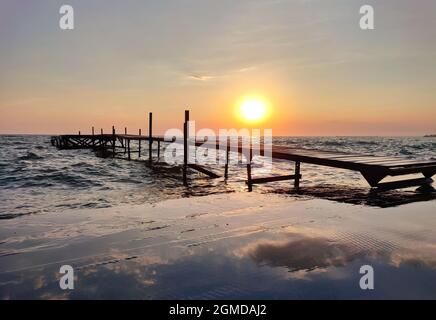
x=373 y=168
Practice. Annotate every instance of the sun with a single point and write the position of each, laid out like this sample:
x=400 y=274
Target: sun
x=253 y=110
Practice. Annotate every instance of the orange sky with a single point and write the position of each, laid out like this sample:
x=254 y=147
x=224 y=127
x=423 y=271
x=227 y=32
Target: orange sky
x=320 y=73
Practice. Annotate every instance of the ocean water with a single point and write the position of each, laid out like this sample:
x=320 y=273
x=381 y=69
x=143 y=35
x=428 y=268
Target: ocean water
x=272 y=243
x=36 y=178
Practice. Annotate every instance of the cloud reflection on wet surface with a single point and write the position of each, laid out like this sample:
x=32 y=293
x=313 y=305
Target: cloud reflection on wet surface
x=282 y=250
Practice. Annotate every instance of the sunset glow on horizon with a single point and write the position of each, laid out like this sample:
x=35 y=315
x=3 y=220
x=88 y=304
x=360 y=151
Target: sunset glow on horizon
x=317 y=72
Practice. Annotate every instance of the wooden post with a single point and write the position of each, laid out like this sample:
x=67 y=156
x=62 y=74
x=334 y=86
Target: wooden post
x=128 y=148
x=158 y=150
x=150 y=138
x=125 y=141
x=249 y=183
x=297 y=175
x=103 y=142
x=226 y=168
x=93 y=139
x=113 y=141
x=79 y=132
x=250 y=186
x=185 y=146
x=139 y=144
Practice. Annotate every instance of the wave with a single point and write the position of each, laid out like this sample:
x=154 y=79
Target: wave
x=30 y=156
x=333 y=143
x=405 y=152
x=366 y=143
x=56 y=180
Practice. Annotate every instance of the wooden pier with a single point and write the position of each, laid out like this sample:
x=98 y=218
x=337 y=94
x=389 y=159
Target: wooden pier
x=373 y=168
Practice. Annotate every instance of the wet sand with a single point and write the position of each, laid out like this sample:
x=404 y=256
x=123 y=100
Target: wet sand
x=226 y=246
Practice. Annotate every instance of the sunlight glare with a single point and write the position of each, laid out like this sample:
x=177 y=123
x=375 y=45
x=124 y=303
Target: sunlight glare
x=253 y=110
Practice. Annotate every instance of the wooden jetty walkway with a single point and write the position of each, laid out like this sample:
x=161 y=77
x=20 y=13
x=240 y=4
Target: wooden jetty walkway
x=373 y=168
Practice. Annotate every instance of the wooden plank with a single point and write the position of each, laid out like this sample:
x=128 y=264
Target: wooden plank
x=365 y=159
x=275 y=178
x=389 y=160
x=204 y=170
x=347 y=157
x=324 y=162
x=412 y=163
x=411 y=170
x=404 y=183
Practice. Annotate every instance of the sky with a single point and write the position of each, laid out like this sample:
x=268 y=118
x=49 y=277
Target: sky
x=319 y=73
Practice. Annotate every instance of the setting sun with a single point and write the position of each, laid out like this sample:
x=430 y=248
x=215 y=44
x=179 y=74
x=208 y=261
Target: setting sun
x=253 y=109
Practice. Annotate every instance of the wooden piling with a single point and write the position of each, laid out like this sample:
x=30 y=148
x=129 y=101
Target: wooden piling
x=93 y=140
x=226 y=167
x=158 y=150
x=297 y=175
x=113 y=141
x=103 y=142
x=249 y=182
x=150 y=138
x=185 y=146
x=128 y=149
x=125 y=130
x=250 y=156
x=139 y=144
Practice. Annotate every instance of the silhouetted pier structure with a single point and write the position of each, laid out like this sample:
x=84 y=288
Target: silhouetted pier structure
x=373 y=168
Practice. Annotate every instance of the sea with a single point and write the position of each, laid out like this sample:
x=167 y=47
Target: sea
x=126 y=232
x=36 y=178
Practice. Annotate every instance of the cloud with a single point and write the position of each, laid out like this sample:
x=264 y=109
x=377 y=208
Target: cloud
x=199 y=77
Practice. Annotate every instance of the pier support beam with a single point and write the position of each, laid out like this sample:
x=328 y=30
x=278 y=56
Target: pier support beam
x=297 y=176
x=226 y=167
x=250 y=157
x=150 y=138
x=158 y=150
x=139 y=144
x=249 y=180
x=185 y=146
x=93 y=139
x=113 y=141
